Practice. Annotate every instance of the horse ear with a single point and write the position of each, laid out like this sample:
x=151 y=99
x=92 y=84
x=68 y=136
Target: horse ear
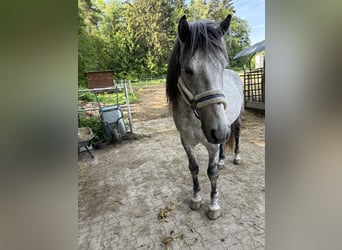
x=224 y=25
x=183 y=29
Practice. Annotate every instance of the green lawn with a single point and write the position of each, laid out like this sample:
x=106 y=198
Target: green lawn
x=109 y=98
x=148 y=83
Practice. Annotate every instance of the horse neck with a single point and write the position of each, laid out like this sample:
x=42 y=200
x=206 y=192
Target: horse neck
x=182 y=106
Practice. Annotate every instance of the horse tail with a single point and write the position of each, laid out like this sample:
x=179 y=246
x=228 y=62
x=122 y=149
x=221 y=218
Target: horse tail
x=230 y=143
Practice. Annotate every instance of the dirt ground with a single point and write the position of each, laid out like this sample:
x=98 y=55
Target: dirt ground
x=152 y=104
x=136 y=195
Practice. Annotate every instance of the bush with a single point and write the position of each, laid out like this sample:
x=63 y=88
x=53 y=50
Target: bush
x=88 y=97
x=82 y=83
x=94 y=123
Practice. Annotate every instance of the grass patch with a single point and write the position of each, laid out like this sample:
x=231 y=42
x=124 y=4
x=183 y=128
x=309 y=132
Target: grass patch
x=108 y=98
x=148 y=83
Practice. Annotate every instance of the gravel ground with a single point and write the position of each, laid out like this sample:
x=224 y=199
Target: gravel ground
x=136 y=195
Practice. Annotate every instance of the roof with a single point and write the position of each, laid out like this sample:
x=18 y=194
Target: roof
x=260 y=46
x=98 y=71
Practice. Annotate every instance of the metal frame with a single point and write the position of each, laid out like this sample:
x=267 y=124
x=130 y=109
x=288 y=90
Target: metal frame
x=96 y=90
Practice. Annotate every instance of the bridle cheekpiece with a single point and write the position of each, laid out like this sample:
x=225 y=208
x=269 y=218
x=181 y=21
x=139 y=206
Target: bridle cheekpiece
x=201 y=100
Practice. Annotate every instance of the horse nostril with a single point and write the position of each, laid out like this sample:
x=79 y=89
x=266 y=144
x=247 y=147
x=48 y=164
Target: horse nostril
x=218 y=135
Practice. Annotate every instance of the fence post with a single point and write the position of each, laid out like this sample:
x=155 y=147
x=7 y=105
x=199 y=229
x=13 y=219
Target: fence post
x=128 y=109
x=130 y=87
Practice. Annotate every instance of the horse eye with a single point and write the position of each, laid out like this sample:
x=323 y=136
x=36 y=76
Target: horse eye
x=187 y=71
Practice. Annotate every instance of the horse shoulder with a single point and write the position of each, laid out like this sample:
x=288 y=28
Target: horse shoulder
x=234 y=94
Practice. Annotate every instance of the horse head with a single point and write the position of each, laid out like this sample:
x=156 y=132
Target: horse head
x=202 y=60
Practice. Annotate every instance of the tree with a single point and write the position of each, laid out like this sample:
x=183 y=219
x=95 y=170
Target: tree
x=90 y=14
x=219 y=9
x=179 y=9
x=134 y=37
x=130 y=58
x=86 y=48
x=197 y=10
x=150 y=21
x=237 y=40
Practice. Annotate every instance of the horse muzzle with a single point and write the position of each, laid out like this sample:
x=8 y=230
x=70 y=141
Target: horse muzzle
x=214 y=123
x=209 y=107
x=219 y=135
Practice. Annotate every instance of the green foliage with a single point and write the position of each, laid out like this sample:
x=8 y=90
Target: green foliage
x=105 y=99
x=197 y=9
x=108 y=98
x=88 y=97
x=134 y=38
x=94 y=123
x=237 y=40
x=149 y=22
x=149 y=82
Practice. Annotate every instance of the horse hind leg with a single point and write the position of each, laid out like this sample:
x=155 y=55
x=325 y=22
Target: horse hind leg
x=237 y=128
x=195 y=203
x=214 y=208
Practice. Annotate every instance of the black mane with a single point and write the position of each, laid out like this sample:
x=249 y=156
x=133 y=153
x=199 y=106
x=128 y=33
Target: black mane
x=204 y=36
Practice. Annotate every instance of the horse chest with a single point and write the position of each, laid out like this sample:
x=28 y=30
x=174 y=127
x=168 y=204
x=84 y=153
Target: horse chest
x=189 y=127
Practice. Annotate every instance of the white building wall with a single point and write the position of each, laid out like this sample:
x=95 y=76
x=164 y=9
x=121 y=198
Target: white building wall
x=259 y=61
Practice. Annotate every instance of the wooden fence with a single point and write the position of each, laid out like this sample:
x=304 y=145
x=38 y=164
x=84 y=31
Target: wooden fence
x=254 y=88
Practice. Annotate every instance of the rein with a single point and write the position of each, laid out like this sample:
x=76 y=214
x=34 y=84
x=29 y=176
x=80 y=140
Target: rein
x=201 y=100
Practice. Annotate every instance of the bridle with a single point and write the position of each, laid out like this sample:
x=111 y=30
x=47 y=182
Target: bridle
x=201 y=100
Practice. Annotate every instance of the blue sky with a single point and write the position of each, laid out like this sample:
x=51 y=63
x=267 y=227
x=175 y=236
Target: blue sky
x=254 y=12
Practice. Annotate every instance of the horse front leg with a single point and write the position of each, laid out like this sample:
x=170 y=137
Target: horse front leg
x=220 y=163
x=237 y=127
x=194 y=169
x=212 y=171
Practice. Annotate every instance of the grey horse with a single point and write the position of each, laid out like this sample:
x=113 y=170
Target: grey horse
x=206 y=99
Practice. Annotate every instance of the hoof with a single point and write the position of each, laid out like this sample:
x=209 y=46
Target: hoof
x=220 y=164
x=195 y=205
x=237 y=161
x=213 y=214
